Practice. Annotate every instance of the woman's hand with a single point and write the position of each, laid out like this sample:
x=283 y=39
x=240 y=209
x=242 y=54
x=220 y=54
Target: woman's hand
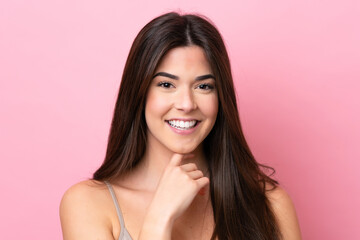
x=178 y=187
x=176 y=190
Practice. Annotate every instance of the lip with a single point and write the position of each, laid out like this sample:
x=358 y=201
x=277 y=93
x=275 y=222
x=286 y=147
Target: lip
x=183 y=119
x=183 y=131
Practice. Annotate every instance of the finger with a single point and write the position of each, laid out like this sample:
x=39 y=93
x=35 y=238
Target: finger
x=189 y=167
x=176 y=159
x=202 y=182
x=196 y=174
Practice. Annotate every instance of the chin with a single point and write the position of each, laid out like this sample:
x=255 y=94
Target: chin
x=184 y=149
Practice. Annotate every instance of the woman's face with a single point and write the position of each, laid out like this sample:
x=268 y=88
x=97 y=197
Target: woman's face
x=182 y=101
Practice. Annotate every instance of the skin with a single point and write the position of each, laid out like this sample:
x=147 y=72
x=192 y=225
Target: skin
x=166 y=195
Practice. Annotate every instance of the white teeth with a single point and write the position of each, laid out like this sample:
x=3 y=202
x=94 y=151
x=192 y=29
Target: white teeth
x=182 y=124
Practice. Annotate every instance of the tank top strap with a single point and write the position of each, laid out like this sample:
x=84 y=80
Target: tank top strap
x=124 y=234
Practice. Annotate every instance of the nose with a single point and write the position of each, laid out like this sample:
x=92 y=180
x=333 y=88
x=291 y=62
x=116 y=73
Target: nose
x=185 y=100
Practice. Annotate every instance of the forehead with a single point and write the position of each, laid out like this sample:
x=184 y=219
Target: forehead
x=189 y=58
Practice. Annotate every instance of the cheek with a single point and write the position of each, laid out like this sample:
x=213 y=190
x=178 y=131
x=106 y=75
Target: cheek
x=155 y=105
x=210 y=107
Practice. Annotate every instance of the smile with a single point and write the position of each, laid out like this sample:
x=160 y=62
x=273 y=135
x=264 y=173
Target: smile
x=182 y=125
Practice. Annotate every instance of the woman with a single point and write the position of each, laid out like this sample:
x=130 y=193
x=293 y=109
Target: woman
x=177 y=164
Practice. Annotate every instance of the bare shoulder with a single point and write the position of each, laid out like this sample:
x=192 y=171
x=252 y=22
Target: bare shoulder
x=285 y=213
x=85 y=212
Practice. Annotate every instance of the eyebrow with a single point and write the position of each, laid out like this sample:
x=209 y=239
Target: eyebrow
x=199 y=78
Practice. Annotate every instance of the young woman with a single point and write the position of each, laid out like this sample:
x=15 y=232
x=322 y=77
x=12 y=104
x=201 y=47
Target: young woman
x=177 y=164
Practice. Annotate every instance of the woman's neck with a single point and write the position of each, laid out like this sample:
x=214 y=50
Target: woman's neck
x=147 y=173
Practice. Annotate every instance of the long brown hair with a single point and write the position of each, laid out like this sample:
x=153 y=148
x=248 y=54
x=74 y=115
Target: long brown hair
x=237 y=182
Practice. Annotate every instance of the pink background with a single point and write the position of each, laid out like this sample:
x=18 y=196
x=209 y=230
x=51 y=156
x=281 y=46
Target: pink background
x=296 y=67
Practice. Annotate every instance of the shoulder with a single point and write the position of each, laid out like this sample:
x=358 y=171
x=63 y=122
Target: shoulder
x=285 y=213
x=83 y=194
x=278 y=197
x=85 y=211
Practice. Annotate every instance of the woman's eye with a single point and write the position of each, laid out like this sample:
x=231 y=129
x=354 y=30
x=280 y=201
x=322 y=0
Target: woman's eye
x=206 y=86
x=165 y=84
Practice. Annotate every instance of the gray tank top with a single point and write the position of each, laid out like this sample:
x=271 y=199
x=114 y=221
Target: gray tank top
x=124 y=234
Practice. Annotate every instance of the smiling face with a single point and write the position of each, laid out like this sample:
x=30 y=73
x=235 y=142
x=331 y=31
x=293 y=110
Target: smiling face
x=182 y=102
